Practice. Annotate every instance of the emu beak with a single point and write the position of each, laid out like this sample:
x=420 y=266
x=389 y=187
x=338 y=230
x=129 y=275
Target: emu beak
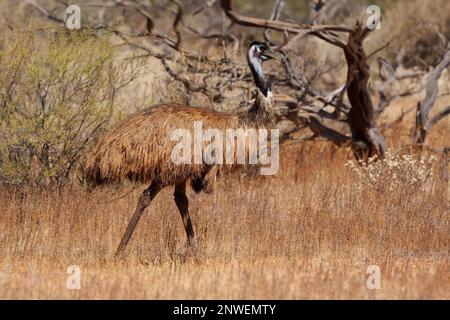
x=271 y=54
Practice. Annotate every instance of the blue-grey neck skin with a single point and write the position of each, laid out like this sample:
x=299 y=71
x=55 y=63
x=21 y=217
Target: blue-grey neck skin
x=261 y=113
x=258 y=74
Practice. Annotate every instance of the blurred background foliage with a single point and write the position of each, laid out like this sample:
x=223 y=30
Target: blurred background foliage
x=59 y=90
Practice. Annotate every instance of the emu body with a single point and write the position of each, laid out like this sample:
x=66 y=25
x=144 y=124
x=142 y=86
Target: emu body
x=140 y=148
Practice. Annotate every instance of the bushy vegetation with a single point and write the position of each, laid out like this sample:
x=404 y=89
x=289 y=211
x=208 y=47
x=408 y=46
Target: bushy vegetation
x=57 y=93
x=416 y=30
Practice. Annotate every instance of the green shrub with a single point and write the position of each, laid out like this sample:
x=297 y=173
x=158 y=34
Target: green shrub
x=57 y=93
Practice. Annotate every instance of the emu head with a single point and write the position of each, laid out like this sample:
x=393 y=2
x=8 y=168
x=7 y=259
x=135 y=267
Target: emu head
x=259 y=52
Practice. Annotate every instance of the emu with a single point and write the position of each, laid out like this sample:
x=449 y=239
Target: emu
x=139 y=148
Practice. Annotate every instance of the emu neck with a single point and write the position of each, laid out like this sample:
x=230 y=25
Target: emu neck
x=261 y=113
x=257 y=71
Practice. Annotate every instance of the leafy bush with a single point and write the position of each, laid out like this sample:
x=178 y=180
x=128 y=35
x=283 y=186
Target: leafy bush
x=57 y=93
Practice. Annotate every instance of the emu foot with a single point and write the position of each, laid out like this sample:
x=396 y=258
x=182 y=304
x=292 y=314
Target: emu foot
x=194 y=252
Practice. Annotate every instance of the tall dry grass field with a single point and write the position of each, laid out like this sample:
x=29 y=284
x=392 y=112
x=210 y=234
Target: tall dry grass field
x=309 y=232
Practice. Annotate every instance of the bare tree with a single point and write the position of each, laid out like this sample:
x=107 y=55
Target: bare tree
x=366 y=139
x=423 y=123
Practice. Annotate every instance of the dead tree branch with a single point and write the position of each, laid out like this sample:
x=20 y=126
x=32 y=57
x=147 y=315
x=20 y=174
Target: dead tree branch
x=45 y=12
x=295 y=28
x=423 y=124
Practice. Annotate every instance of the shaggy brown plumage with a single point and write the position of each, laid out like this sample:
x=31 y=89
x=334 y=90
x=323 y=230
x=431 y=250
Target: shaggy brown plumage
x=140 y=147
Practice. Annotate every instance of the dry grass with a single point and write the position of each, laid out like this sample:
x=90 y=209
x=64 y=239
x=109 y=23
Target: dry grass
x=306 y=233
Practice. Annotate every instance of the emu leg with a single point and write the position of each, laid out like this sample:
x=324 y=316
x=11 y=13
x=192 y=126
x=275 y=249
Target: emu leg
x=183 y=206
x=207 y=181
x=144 y=200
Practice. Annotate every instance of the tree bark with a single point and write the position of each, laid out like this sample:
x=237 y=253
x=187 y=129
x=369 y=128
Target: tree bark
x=423 y=123
x=367 y=140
